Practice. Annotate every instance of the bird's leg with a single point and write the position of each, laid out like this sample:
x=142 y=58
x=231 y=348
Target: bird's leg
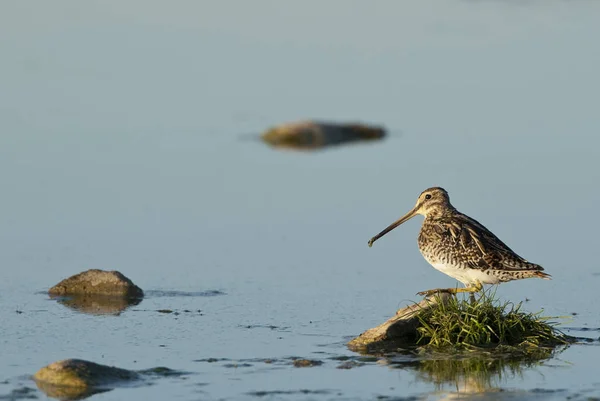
x=472 y=299
x=477 y=287
x=471 y=288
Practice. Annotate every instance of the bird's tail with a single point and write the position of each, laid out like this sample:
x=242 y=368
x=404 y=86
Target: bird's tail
x=534 y=270
x=541 y=274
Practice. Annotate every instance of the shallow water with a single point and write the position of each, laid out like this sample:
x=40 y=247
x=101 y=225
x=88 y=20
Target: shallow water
x=129 y=141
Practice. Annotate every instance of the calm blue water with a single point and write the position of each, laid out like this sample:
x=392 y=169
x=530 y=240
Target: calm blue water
x=128 y=141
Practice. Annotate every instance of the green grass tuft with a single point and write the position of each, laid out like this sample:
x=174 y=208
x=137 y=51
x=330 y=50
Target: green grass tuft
x=486 y=323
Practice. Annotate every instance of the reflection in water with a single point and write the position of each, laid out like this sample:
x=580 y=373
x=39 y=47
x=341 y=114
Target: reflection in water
x=161 y=293
x=97 y=305
x=469 y=376
x=68 y=392
x=457 y=375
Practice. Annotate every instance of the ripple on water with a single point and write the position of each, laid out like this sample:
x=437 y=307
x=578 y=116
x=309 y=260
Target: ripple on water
x=172 y=294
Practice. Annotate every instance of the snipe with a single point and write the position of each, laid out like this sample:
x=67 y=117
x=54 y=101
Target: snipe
x=461 y=247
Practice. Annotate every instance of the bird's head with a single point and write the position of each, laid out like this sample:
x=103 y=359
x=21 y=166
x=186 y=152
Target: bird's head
x=431 y=202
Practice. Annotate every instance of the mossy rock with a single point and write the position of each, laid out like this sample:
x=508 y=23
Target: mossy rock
x=445 y=323
x=76 y=379
x=98 y=282
x=82 y=374
x=486 y=323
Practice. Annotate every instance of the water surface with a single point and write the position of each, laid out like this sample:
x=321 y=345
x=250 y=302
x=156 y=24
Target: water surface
x=128 y=141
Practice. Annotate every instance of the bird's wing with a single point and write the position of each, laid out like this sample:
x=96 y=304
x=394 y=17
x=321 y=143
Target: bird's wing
x=482 y=248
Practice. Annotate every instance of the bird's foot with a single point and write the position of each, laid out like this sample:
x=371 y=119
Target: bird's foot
x=472 y=288
x=435 y=291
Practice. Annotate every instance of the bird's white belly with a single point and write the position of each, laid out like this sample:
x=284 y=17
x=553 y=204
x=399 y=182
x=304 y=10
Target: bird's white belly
x=466 y=276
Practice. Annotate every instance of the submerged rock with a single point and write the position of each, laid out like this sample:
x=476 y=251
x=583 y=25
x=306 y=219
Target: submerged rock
x=98 y=282
x=76 y=378
x=306 y=363
x=81 y=373
x=311 y=134
x=349 y=365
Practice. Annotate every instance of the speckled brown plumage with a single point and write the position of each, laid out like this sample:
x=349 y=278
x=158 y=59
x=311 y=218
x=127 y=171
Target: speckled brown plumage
x=461 y=247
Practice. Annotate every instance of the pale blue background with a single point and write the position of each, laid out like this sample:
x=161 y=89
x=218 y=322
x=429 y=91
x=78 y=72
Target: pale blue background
x=128 y=141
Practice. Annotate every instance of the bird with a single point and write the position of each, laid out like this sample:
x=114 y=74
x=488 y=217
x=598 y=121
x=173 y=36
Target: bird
x=461 y=247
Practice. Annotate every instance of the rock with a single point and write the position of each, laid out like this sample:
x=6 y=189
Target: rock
x=76 y=378
x=400 y=330
x=349 y=365
x=305 y=363
x=311 y=134
x=81 y=373
x=98 y=282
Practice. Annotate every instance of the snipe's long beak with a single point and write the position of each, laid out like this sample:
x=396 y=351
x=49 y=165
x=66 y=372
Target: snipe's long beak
x=395 y=224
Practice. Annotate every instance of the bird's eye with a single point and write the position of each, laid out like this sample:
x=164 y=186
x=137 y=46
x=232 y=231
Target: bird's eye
x=428 y=196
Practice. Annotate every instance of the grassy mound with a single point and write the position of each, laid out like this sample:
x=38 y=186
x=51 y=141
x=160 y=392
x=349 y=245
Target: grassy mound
x=486 y=323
